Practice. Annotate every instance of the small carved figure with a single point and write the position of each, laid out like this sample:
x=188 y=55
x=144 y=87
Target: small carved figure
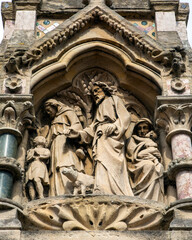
x=107 y=136
x=144 y=162
x=37 y=174
x=62 y=151
x=81 y=182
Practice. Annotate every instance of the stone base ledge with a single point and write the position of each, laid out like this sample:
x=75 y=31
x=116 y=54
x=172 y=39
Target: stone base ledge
x=10 y=235
x=105 y=235
x=96 y=212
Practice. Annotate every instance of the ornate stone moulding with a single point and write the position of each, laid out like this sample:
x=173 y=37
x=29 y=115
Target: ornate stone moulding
x=177 y=166
x=10 y=214
x=23 y=58
x=101 y=212
x=182 y=214
x=11 y=165
x=175 y=116
x=16 y=112
x=13 y=84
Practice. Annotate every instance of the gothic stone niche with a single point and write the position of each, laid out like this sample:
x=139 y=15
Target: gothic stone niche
x=91 y=139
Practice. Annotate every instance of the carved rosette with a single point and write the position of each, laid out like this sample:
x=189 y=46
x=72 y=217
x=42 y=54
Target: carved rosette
x=96 y=213
x=14 y=84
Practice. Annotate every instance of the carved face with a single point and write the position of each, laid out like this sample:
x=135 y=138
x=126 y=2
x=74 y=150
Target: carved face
x=98 y=94
x=39 y=140
x=51 y=111
x=142 y=129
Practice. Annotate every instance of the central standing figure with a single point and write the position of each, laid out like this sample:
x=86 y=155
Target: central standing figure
x=107 y=135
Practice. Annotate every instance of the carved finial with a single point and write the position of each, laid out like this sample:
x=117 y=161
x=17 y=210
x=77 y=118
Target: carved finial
x=97 y=2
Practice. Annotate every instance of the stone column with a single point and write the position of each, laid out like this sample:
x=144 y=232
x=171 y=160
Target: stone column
x=176 y=118
x=181 y=149
x=16 y=114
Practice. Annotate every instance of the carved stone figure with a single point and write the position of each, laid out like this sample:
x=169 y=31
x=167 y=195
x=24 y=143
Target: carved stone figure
x=37 y=174
x=144 y=167
x=82 y=182
x=62 y=151
x=107 y=135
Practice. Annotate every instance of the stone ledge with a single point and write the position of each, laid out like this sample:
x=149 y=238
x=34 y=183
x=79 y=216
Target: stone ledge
x=106 y=235
x=96 y=212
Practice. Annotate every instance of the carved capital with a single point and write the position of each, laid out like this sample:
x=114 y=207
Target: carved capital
x=16 y=114
x=175 y=118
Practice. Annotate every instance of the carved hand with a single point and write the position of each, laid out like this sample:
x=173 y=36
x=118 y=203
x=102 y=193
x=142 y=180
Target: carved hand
x=73 y=134
x=110 y=129
x=66 y=132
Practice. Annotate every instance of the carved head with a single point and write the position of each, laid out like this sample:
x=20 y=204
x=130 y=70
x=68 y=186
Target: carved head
x=142 y=127
x=51 y=107
x=100 y=90
x=39 y=141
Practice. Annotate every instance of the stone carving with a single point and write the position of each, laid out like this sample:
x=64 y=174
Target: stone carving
x=9 y=114
x=97 y=213
x=144 y=162
x=37 y=174
x=99 y=108
x=174 y=61
x=174 y=118
x=22 y=58
x=82 y=182
x=16 y=116
x=107 y=136
x=177 y=85
x=62 y=151
x=25 y=58
x=13 y=84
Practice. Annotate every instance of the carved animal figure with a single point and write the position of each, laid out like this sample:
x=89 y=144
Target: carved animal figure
x=81 y=182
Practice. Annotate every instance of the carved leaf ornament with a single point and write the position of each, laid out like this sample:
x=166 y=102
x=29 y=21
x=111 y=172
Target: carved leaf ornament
x=96 y=213
x=27 y=58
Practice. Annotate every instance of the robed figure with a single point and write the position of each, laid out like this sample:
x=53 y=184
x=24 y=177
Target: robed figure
x=62 y=151
x=107 y=134
x=144 y=162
